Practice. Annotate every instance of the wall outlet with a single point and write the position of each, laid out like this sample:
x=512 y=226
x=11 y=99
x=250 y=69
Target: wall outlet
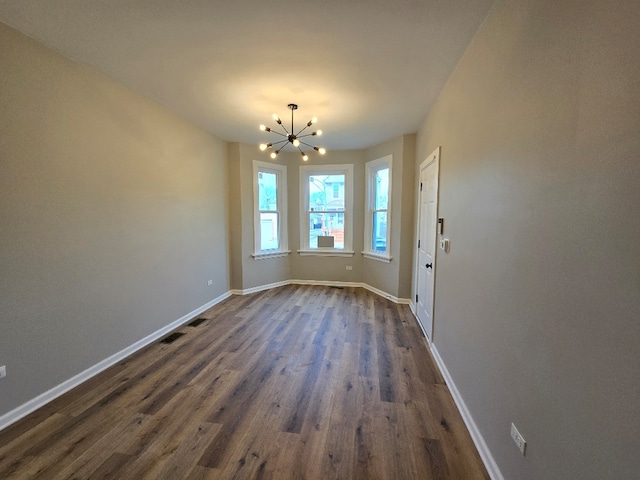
x=518 y=439
x=349 y=267
x=209 y=283
x=3 y=371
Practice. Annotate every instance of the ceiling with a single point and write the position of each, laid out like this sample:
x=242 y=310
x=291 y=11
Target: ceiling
x=368 y=69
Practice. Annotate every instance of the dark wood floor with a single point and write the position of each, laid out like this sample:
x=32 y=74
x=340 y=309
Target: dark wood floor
x=298 y=382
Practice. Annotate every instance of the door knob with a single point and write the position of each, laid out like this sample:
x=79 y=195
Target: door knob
x=429 y=265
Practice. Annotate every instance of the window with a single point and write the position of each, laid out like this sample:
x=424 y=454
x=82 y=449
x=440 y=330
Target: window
x=326 y=205
x=270 y=209
x=378 y=210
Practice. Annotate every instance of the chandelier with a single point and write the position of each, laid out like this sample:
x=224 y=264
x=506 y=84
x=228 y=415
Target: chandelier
x=290 y=137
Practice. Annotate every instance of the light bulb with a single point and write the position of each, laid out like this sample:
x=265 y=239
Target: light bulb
x=322 y=151
x=263 y=127
x=318 y=132
x=314 y=120
x=276 y=118
x=296 y=143
x=305 y=157
x=274 y=154
x=263 y=146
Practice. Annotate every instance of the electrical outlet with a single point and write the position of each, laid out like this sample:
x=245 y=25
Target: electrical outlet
x=209 y=283
x=518 y=439
x=349 y=267
x=3 y=371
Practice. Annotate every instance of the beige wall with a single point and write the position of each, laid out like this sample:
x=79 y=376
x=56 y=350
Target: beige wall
x=255 y=273
x=113 y=216
x=327 y=268
x=235 y=215
x=537 y=309
x=390 y=278
x=408 y=244
x=395 y=277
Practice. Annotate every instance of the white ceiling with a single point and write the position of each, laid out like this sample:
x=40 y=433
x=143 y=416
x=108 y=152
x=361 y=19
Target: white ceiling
x=369 y=69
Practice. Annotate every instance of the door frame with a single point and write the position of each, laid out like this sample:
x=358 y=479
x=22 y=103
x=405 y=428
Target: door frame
x=434 y=157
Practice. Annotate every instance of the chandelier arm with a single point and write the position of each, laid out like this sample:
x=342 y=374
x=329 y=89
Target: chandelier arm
x=278 y=133
x=302 y=130
x=285 y=129
x=275 y=144
x=307 y=135
x=308 y=145
x=278 y=150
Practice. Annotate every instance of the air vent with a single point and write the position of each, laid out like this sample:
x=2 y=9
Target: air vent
x=172 y=338
x=197 y=322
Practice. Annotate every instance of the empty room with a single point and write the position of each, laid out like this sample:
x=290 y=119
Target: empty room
x=320 y=240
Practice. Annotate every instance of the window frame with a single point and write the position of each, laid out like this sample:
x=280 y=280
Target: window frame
x=371 y=169
x=281 y=194
x=307 y=171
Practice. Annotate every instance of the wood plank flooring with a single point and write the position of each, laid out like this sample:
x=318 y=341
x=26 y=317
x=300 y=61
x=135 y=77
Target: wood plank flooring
x=298 y=382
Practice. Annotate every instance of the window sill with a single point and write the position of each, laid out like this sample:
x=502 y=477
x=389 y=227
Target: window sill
x=273 y=254
x=380 y=257
x=327 y=252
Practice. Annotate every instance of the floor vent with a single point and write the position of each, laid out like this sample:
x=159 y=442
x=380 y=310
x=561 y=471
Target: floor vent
x=171 y=338
x=197 y=322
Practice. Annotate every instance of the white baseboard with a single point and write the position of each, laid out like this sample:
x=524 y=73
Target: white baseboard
x=325 y=283
x=485 y=454
x=403 y=301
x=260 y=288
x=46 y=397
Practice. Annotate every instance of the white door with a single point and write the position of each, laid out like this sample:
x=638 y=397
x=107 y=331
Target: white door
x=427 y=224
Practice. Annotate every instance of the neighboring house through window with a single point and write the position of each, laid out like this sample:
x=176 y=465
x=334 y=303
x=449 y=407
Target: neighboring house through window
x=378 y=209
x=326 y=201
x=270 y=209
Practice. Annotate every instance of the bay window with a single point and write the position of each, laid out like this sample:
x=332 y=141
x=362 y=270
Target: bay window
x=270 y=209
x=326 y=210
x=378 y=209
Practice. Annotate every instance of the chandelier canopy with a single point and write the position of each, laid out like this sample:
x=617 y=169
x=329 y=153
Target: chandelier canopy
x=291 y=138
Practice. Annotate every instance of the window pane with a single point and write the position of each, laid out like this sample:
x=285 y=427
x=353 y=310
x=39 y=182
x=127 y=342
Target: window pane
x=268 y=231
x=267 y=191
x=381 y=189
x=326 y=192
x=326 y=224
x=379 y=232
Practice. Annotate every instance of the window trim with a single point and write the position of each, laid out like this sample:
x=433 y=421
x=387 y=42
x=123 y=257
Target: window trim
x=283 y=233
x=307 y=171
x=369 y=208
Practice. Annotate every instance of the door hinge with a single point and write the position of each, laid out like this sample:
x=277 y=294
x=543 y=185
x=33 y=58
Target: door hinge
x=420 y=186
x=416 y=298
x=418 y=243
